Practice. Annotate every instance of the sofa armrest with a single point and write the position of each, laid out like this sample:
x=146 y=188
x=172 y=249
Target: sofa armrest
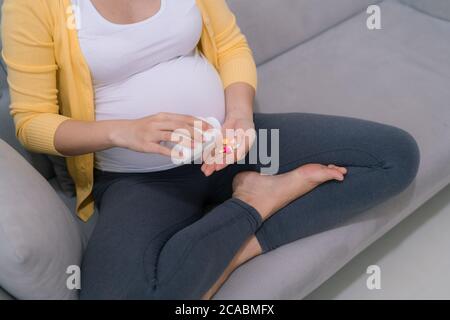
x=39 y=237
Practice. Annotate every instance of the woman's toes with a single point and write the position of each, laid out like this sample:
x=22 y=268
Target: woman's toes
x=335 y=174
x=341 y=169
x=318 y=173
x=328 y=173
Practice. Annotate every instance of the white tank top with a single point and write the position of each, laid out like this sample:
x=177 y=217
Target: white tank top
x=144 y=68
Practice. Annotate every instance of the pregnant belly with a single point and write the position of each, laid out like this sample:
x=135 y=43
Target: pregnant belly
x=185 y=85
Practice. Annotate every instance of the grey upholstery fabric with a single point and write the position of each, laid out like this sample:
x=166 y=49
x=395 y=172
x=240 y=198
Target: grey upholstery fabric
x=436 y=8
x=5 y=295
x=62 y=175
x=399 y=75
x=38 y=235
x=7 y=132
x=273 y=27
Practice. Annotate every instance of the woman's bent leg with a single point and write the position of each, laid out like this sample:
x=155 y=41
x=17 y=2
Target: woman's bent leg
x=194 y=258
x=381 y=161
x=153 y=242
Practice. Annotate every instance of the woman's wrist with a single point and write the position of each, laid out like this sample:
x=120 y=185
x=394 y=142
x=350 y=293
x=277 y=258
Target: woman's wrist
x=74 y=137
x=117 y=131
x=239 y=113
x=239 y=99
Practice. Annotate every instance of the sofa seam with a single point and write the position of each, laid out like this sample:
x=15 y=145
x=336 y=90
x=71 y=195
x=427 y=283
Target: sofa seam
x=379 y=162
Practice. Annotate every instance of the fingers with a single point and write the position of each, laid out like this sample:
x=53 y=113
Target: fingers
x=180 y=128
x=179 y=122
x=177 y=138
x=183 y=130
x=191 y=120
x=215 y=159
x=165 y=151
x=208 y=169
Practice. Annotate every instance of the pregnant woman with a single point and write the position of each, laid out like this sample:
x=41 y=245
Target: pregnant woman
x=105 y=83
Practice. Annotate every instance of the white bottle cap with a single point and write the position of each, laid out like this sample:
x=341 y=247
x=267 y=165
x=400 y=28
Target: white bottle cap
x=190 y=155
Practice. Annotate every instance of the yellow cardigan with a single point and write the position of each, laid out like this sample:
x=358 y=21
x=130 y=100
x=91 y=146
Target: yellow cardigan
x=50 y=81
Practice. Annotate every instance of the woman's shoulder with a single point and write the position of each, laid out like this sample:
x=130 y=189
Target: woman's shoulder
x=214 y=4
x=42 y=10
x=37 y=6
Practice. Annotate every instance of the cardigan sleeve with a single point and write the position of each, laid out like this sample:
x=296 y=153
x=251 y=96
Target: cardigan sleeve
x=235 y=58
x=28 y=52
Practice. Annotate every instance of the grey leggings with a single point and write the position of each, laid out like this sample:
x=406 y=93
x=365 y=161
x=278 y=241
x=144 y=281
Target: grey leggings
x=153 y=239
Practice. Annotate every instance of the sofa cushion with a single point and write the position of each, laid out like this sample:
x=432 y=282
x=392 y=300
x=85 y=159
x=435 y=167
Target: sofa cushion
x=273 y=27
x=436 y=8
x=399 y=75
x=39 y=238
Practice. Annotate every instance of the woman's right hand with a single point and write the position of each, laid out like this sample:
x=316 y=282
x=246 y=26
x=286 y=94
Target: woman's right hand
x=146 y=134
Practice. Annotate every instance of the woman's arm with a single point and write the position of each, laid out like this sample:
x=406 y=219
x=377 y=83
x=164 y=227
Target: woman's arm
x=239 y=76
x=28 y=52
x=74 y=137
x=239 y=98
x=234 y=56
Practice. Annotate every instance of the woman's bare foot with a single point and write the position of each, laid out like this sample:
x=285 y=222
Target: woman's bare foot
x=268 y=194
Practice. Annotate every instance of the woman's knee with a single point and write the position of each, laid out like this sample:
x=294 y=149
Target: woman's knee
x=401 y=157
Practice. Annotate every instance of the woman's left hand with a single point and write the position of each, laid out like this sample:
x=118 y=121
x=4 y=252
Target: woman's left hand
x=242 y=130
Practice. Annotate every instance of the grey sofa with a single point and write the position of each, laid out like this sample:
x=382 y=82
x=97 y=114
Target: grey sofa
x=319 y=56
